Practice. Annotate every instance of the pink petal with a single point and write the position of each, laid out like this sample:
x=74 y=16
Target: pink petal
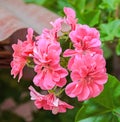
x=97 y=89
x=69 y=12
x=101 y=78
x=70 y=63
x=75 y=76
x=38 y=103
x=84 y=93
x=55 y=76
x=55 y=110
x=34 y=94
x=38 y=79
x=70 y=88
x=62 y=72
x=57 y=24
x=48 y=82
x=69 y=53
x=61 y=82
x=95 y=43
x=73 y=36
x=30 y=34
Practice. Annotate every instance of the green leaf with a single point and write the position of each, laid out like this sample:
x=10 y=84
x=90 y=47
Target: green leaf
x=109 y=4
x=93 y=17
x=90 y=17
x=93 y=112
x=78 y=5
x=110 y=30
x=60 y=5
x=105 y=107
x=118 y=49
x=106 y=51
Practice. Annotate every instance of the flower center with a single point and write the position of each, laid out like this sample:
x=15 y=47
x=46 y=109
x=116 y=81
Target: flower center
x=88 y=78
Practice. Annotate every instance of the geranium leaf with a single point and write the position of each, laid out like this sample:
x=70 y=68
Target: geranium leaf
x=90 y=17
x=93 y=112
x=110 y=30
x=118 y=49
x=109 y=4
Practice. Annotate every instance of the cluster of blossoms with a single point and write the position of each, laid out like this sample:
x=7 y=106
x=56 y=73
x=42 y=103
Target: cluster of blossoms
x=83 y=61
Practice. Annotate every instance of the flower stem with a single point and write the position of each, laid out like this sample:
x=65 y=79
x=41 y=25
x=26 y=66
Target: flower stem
x=29 y=65
x=60 y=92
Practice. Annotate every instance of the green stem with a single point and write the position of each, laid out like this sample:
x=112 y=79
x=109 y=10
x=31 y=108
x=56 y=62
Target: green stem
x=51 y=91
x=29 y=65
x=60 y=92
x=54 y=88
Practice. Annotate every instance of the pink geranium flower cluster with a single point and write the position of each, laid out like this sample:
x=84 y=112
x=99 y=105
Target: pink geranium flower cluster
x=22 y=50
x=83 y=60
x=48 y=102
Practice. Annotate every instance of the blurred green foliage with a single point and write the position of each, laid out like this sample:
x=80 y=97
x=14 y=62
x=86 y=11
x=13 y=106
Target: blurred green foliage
x=7 y=116
x=11 y=87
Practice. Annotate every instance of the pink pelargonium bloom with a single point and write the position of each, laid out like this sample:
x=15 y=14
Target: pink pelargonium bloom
x=48 y=77
x=57 y=105
x=39 y=98
x=48 y=102
x=85 y=37
x=17 y=65
x=49 y=72
x=28 y=44
x=22 y=50
x=49 y=35
x=70 y=17
x=85 y=40
x=46 y=53
x=57 y=24
x=88 y=76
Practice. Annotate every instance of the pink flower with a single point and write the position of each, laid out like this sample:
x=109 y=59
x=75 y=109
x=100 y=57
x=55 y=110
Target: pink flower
x=47 y=52
x=71 y=17
x=28 y=44
x=85 y=37
x=49 y=35
x=22 y=50
x=57 y=24
x=17 y=65
x=48 y=102
x=85 y=40
x=57 y=105
x=49 y=71
x=40 y=99
x=88 y=75
x=47 y=78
